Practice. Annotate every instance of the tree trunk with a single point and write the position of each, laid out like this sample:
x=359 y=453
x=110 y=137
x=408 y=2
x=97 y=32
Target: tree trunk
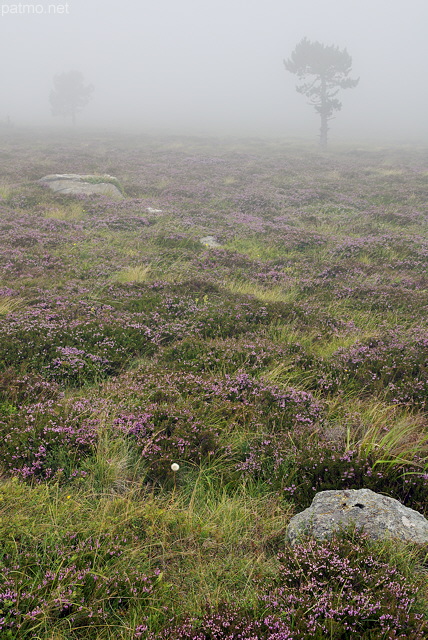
x=324 y=112
x=323 y=131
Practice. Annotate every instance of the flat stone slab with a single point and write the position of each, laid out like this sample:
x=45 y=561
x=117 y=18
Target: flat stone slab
x=377 y=515
x=75 y=184
x=210 y=241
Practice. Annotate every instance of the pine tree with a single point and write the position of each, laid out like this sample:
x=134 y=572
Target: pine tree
x=324 y=70
x=69 y=94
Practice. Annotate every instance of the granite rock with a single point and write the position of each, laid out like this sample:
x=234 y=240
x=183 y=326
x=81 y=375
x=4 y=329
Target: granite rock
x=377 y=515
x=75 y=184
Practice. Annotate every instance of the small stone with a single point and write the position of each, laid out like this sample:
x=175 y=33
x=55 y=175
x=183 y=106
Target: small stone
x=210 y=241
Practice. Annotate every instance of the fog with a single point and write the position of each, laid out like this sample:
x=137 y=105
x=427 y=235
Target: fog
x=216 y=66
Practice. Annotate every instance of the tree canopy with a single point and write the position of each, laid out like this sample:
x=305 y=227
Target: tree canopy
x=69 y=94
x=324 y=71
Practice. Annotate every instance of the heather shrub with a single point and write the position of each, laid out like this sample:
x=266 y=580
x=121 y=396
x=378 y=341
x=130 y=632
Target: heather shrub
x=250 y=354
x=240 y=318
x=394 y=366
x=282 y=407
x=137 y=298
x=71 y=583
x=183 y=416
x=298 y=466
x=164 y=434
x=322 y=467
x=340 y=589
x=70 y=346
x=229 y=398
x=76 y=367
x=48 y=439
x=268 y=459
x=225 y=623
x=18 y=388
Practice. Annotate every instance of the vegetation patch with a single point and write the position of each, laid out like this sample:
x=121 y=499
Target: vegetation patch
x=166 y=407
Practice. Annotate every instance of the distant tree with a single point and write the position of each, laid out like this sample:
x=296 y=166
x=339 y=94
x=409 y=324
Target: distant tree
x=325 y=70
x=69 y=94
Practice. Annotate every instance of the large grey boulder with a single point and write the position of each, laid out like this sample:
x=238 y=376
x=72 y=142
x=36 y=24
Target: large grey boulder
x=375 y=514
x=75 y=184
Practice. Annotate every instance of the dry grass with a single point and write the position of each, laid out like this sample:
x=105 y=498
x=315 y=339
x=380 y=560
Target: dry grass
x=140 y=273
x=271 y=294
x=5 y=191
x=386 y=433
x=397 y=437
x=73 y=211
x=9 y=305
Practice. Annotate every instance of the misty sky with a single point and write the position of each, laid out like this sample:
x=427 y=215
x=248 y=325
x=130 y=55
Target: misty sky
x=215 y=66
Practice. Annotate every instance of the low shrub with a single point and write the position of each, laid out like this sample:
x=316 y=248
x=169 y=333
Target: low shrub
x=18 y=388
x=326 y=467
x=250 y=354
x=164 y=434
x=76 y=584
x=48 y=439
x=299 y=470
x=394 y=366
x=339 y=589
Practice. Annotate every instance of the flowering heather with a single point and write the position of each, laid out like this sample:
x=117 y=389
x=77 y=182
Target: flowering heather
x=19 y=389
x=162 y=434
x=394 y=365
x=251 y=354
x=227 y=623
x=335 y=589
x=68 y=341
x=162 y=427
x=84 y=583
x=74 y=366
x=48 y=439
x=75 y=341
x=328 y=466
x=282 y=408
x=176 y=402
x=342 y=589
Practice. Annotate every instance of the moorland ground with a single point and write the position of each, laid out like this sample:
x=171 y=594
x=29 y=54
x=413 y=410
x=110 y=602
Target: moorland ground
x=290 y=359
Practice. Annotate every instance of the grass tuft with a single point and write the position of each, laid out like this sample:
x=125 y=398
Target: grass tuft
x=10 y=305
x=264 y=294
x=69 y=212
x=138 y=274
